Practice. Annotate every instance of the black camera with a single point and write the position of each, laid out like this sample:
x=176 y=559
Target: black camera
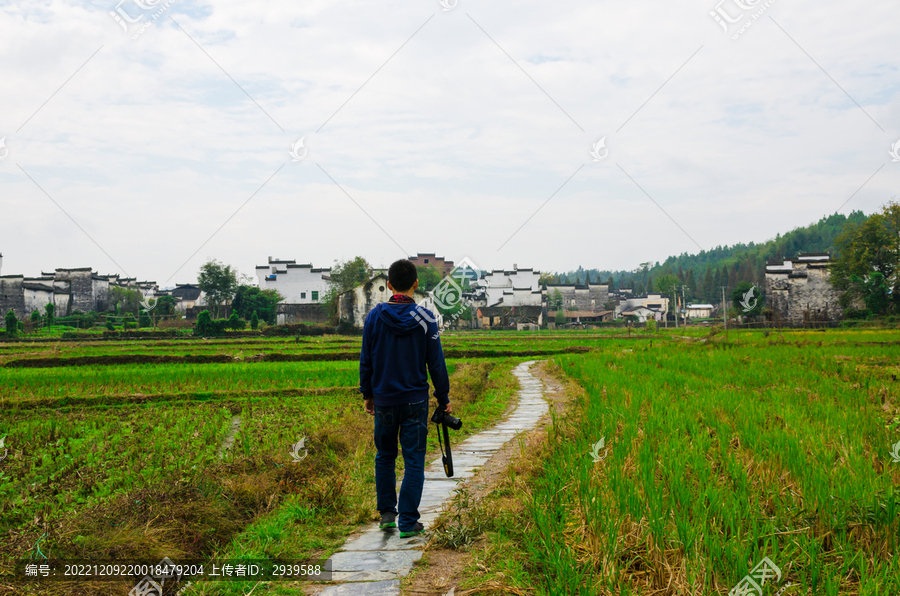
x=440 y=416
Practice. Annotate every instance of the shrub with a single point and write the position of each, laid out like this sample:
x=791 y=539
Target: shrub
x=254 y=321
x=145 y=319
x=109 y=325
x=650 y=326
x=12 y=324
x=235 y=322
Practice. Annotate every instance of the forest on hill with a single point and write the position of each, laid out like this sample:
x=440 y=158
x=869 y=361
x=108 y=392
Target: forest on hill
x=703 y=274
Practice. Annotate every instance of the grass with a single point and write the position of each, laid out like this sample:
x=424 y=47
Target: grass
x=719 y=454
x=722 y=449
x=97 y=471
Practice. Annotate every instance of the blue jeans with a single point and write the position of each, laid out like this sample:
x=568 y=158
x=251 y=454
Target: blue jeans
x=409 y=423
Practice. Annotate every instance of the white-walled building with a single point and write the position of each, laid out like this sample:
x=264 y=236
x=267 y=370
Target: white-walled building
x=656 y=303
x=516 y=287
x=298 y=284
x=354 y=305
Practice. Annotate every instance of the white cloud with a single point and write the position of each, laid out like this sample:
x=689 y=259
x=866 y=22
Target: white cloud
x=449 y=147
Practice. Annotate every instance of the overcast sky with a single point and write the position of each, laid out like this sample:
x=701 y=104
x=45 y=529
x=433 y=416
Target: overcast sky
x=146 y=152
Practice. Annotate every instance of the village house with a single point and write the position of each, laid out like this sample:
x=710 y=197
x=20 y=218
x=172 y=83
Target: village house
x=70 y=290
x=506 y=288
x=700 y=311
x=428 y=259
x=584 y=298
x=354 y=305
x=298 y=284
x=656 y=304
x=799 y=290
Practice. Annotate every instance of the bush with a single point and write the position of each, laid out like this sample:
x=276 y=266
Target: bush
x=109 y=325
x=207 y=326
x=145 y=319
x=254 y=321
x=12 y=324
x=650 y=326
x=235 y=322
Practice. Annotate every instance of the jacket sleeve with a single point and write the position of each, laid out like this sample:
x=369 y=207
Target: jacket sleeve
x=365 y=360
x=437 y=367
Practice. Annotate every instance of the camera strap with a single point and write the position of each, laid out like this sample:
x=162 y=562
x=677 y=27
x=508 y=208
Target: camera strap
x=447 y=459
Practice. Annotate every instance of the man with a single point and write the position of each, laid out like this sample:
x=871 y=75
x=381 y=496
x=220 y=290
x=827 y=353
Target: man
x=400 y=340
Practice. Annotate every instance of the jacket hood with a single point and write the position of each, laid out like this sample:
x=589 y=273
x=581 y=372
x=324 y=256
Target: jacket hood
x=400 y=318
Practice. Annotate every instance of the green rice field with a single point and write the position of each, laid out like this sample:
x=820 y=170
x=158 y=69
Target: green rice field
x=718 y=451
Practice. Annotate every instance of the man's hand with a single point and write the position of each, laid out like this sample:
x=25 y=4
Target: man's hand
x=448 y=408
x=370 y=406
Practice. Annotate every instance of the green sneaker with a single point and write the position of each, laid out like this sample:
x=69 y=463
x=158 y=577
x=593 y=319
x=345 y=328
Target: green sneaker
x=388 y=520
x=417 y=529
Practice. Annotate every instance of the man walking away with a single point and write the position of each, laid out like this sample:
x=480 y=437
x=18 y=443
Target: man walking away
x=400 y=340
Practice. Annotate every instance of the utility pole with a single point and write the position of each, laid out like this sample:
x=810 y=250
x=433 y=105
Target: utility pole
x=724 y=311
x=684 y=303
x=675 y=300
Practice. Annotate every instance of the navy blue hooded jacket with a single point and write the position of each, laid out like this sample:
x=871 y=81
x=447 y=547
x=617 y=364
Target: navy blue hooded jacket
x=399 y=341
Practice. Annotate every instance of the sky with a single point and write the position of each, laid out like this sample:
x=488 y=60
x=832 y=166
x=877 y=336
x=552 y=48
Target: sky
x=146 y=137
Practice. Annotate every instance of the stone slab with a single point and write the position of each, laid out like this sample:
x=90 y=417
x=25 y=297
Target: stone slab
x=381 y=588
x=381 y=540
x=397 y=561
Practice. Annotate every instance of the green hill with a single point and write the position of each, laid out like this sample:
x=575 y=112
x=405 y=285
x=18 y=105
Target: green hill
x=705 y=272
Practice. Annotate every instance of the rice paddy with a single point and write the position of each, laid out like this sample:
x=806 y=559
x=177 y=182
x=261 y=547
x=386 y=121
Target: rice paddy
x=717 y=452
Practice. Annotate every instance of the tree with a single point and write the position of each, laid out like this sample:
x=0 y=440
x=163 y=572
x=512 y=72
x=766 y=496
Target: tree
x=666 y=284
x=165 y=305
x=235 y=322
x=50 y=309
x=254 y=321
x=345 y=276
x=12 y=324
x=865 y=249
x=429 y=277
x=219 y=282
x=556 y=300
x=560 y=317
x=742 y=298
x=250 y=300
x=35 y=318
x=204 y=323
x=124 y=299
x=547 y=278
x=611 y=284
x=144 y=319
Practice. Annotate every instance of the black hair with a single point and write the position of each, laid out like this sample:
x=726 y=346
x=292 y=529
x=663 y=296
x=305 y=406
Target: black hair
x=402 y=275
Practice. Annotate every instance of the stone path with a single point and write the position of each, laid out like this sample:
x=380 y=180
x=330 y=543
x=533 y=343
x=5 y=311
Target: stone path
x=371 y=564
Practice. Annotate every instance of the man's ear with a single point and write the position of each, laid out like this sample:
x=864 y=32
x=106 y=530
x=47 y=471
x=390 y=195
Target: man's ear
x=415 y=285
x=391 y=288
